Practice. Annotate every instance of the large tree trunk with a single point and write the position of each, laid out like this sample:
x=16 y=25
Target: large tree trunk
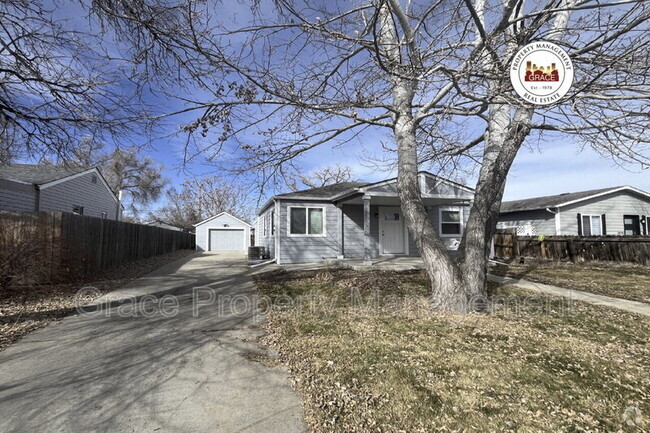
x=502 y=142
x=457 y=286
x=449 y=291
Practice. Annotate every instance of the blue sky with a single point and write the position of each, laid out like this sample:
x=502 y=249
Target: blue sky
x=558 y=165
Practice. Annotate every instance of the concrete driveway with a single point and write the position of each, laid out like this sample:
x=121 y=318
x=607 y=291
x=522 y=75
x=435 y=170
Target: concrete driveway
x=130 y=364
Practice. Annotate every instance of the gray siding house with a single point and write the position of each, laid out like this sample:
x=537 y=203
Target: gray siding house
x=357 y=220
x=223 y=232
x=27 y=187
x=621 y=211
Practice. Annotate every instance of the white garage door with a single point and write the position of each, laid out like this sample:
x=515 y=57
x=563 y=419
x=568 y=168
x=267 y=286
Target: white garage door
x=227 y=240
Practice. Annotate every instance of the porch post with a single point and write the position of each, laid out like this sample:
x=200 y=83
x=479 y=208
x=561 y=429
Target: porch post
x=367 y=261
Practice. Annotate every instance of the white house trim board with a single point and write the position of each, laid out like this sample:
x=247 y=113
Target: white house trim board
x=421 y=175
x=278 y=230
x=22 y=182
x=600 y=194
x=246 y=231
x=218 y=215
x=64 y=179
x=447 y=181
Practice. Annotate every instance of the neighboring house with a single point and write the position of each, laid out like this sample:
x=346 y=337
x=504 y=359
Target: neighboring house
x=164 y=225
x=27 y=187
x=223 y=232
x=621 y=211
x=357 y=220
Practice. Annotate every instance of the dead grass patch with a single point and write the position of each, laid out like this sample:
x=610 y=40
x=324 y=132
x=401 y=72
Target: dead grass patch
x=397 y=370
x=625 y=281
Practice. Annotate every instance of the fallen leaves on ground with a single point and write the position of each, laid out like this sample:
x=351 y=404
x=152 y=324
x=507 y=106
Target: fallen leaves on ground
x=576 y=368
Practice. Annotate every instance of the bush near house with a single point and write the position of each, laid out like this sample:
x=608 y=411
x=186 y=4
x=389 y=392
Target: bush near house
x=535 y=364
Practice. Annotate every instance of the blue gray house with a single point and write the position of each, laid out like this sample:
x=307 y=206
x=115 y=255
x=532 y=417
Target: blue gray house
x=620 y=210
x=357 y=220
x=27 y=187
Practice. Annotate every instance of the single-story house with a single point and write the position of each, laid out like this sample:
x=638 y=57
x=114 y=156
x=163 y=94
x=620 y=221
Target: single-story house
x=164 y=225
x=29 y=187
x=621 y=211
x=223 y=232
x=357 y=220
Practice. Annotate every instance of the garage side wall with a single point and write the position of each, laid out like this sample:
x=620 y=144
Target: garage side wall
x=202 y=230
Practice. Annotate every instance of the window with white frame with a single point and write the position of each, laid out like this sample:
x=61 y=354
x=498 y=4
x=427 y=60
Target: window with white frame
x=272 y=223
x=307 y=221
x=592 y=225
x=450 y=222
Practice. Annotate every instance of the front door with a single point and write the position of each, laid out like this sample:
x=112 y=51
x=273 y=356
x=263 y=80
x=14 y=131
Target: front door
x=391 y=231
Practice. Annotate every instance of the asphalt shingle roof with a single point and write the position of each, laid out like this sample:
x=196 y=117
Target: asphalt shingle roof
x=36 y=174
x=324 y=192
x=550 y=200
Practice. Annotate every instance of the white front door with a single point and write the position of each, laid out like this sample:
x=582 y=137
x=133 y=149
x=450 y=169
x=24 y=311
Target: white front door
x=391 y=231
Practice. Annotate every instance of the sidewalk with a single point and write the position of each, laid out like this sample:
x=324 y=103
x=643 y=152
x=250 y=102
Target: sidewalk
x=622 y=304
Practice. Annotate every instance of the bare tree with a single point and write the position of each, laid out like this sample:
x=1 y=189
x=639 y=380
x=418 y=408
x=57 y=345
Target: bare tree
x=433 y=75
x=56 y=85
x=138 y=177
x=202 y=198
x=323 y=176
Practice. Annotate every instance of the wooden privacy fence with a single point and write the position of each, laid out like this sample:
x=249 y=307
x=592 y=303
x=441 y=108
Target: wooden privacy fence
x=633 y=249
x=69 y=247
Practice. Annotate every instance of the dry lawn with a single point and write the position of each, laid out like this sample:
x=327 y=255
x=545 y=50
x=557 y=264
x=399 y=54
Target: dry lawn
x=390 y=366
x=626 y=281
x=24 y=309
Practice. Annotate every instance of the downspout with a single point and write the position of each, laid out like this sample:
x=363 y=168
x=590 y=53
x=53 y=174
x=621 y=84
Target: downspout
x=38 y=197
x=119 y=205
x=558 y=224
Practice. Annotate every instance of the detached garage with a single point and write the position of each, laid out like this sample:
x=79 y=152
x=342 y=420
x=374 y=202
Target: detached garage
x=223 y=232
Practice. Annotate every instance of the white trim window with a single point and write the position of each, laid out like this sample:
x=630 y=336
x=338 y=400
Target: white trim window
x=306 y=221
x=592 y=225
x=450 y=222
